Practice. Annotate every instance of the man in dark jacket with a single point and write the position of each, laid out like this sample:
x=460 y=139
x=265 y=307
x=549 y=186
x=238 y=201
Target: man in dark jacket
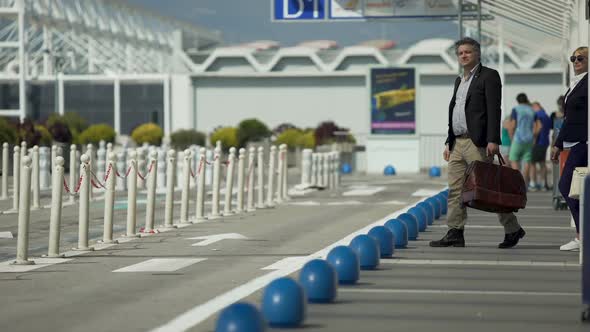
x=474 y=134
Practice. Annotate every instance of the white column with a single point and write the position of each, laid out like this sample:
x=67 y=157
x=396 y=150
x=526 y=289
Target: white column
x=24 y=212
x=151 y=192
x=22 y=64
x=117 y=105
x=242 y=155
x=229 y=182
x=132 y=195
x=201 y=173
x=83 y=212
x=109 y=198
x=35 y=178
x=56 y=207
x=170 y=174
x=4 y=194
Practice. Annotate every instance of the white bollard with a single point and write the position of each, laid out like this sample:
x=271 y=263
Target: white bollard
x=320 y=170
x=15 y=179
x=84 y=213
x=24 y=213
x=109 y=198
x=281 y=169
x=4 y=194
x=109 y=149
x=241 y=157
x=271 y=176
x=140 y=168
x=229 y=181
x=73 y=173
x=91 y=167
x=132 y=195
x=162 y=169
x=179 y=169
x=336 y=169
x=101 y=163
x=306 y=168
x=186 y=182
x=23 y=150
x=215 y=195
x=326 y=170
x=53 y=156
x=35 y=179
x=314 y=169
x=56 y=206
x=250 y=179
x=285 y=186
x=209 y=168
x=201 y=174
x=150 y=178
x=170 y=174
x=260 y=170
x=44 y=165
x=122 y=170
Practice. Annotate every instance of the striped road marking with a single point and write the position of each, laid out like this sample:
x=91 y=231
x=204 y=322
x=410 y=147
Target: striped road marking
x=476 y=262
x=452 y=292
x=161 y=265
x=39 y=263
x=6 y=235
x=502 y=227
x=367 y=191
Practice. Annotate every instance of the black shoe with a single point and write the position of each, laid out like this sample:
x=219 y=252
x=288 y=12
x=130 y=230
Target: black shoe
x=511 y=239
x=454 y=238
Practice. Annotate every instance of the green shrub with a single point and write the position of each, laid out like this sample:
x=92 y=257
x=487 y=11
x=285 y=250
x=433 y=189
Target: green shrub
x=58 y=128
x=251 y=130
x=307 y=140
x=75 y=122
x=291 y=137
x=228 y=137
x=96 y=133
x=27 y=132
x=183 y=138
x=149 y=133
x=8 y=132
x=45 y=137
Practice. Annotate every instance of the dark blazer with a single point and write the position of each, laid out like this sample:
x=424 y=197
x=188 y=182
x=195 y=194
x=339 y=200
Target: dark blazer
x=482 y=108
x=575 y=124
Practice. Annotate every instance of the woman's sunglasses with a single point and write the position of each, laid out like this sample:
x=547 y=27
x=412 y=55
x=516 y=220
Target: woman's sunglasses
x=580 y=58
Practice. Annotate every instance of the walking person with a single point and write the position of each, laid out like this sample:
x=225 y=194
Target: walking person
x=574 y=136
x=522 y=136
x=506 y=142
x=473 y=134
x=539 y=155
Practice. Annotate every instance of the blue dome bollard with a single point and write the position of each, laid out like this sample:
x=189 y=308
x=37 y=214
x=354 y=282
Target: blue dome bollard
x=443 y=204
x=400 y=232
x=368 y=250
x=429 y=211
x=389 y=170
x=385 y=238
x=436 y=205
x=421 y=216
x=319 y=280
x=434 y=172
x=240 y=317
x=411 y=224
x=283 y=303
x=346 y=263
x=346 y=168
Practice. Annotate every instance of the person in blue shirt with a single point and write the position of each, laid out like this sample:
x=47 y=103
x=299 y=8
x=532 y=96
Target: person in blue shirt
x=539 y=154
x=522 y=135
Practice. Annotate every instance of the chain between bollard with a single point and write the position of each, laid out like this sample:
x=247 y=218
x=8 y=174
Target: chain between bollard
x=212 y=161
x=126 y=173
x=67 y=188
x=143 y=177
x=198 y=170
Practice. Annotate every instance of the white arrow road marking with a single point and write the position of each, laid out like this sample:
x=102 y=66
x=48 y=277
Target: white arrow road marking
x=6 y=235
x=161 y=265
x=209 y=239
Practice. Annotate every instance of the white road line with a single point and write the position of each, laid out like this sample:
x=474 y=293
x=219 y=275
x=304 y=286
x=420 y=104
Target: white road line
x=285 y=262
x=39 y=263
x=426 y=192
x=369 y=191
x=6 y=235
x=452 y=292
x=344 y=203
x=161 y=265
x=539 y=216
x=476 y=262
x=502 y=227
x=203 y=311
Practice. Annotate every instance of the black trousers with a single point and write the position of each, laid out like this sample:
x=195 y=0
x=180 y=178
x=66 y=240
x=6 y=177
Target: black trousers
x=578 y=157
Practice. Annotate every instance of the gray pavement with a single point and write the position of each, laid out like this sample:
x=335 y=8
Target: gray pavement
x=532 y=287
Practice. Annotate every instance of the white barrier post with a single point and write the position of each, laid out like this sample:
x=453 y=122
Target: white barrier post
x=109 y=150
x=4 y=194
x=314 y=169
x=170 y=174
x=215 y=195
x=140 y=167
x=15 y=179
x=91 y=167
x=285 y=187
x=306 y=168
x=23 y=150
x=73 y=173
x=44 y=166
x=151 y=177
x=271 y=174
x=336 y=169
x=83 y=212
x=186 y=182
x=55 y=217
x=281 y=169
x=209 y=166
x=201 y=173
x=109 y=198
x=24 y=213
x=229 y=181
x=35 y=178
x=250 y=179
x=121 y=183
x=260 y=165
x=101 y=162
x=132 y=195
x=242 y=155
x=326 y=170
x=162 y=169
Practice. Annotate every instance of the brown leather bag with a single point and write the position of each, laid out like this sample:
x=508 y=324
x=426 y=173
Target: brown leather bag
x=493 y=188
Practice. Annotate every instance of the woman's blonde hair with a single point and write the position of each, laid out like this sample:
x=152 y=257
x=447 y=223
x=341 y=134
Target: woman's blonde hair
x=581 y=49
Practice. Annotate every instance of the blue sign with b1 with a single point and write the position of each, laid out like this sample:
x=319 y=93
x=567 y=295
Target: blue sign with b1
x=299 y=10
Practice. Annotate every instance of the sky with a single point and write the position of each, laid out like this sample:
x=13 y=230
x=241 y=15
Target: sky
x=242 y=21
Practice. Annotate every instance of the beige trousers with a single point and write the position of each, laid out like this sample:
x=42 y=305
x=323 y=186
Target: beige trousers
x=465 y=152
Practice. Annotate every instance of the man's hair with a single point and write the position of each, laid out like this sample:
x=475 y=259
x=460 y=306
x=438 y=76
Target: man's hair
x=522 y=98
x=468 y=41
x=581 y=49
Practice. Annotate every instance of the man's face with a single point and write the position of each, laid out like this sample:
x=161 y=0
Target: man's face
x=580 y=66
x=467 y=56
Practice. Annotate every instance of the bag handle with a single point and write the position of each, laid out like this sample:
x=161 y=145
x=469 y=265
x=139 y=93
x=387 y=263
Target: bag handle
x=501 y=159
